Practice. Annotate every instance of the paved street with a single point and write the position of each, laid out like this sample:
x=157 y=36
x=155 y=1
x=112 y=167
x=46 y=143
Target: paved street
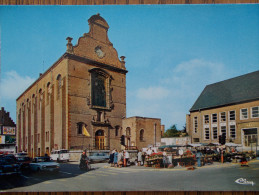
x=216 y=177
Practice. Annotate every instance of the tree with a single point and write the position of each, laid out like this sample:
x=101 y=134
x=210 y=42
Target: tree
x=172 y=132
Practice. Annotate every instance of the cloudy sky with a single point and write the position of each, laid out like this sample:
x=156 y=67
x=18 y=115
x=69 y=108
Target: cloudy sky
x=172 y=51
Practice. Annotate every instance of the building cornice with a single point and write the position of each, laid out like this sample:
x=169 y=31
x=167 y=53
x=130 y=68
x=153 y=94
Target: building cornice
x=94 y=63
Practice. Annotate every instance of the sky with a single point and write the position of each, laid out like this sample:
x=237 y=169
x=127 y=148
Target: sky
x=172 y=51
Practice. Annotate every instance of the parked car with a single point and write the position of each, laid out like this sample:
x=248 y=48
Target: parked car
x=24 y=163
x=99 y=157
x=21 y=154
x=8 y=166
x=60 y=155
x=44 y=164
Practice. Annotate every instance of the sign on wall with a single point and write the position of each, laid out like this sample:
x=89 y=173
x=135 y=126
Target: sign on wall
x=9 y=130
x=2 y=139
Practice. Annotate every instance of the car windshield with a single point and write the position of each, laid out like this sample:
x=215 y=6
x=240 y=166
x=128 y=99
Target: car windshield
x=7 y=161
x=63 y=151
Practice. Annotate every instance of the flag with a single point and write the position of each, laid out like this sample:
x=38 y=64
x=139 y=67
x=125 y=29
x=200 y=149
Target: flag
x=85 y=132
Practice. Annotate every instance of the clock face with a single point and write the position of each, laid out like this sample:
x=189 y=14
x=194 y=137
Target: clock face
x=99 y=52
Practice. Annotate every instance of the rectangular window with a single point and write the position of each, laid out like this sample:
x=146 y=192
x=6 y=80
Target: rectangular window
x=232 y=131
x=207 y=133
x=223 y=130
x=255 y=112
x=195 y=124
x=223 y=117
x=232 y=115
x=206 y=119
x=215 y=132
x=196 y=139
x=244 y=113
x=214 y=118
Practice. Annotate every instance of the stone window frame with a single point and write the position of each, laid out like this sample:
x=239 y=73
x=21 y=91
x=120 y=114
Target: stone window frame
x=225 y=129
x=59 y=86
x=108 y=79
x=214 y=118
x=252 y=116
x=214 y=132
x=243 y=113
x=232 y=115
x=206 y=133
x=195 y=124
x=48 y=92
x=141 y=135
x=223 y=118
x=117 y=131
x=128 y=131
x=79 y=127
x=206 y=119
x=232 y=131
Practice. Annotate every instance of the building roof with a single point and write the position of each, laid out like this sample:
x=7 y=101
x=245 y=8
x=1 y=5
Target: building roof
x=244 y=88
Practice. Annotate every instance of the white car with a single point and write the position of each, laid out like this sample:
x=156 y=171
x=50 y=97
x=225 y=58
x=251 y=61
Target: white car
x=44 y=164
x=60 y=155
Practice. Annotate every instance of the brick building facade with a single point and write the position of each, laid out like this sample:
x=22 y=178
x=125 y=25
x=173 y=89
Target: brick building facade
x=79 y=102
x=142 y=131
x=229 y=107
x=7 y=132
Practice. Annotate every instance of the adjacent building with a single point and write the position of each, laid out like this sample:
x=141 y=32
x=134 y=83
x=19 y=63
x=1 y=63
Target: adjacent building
x=142 y=132
x=80 y=101
x=229 y=107
x=7 y=132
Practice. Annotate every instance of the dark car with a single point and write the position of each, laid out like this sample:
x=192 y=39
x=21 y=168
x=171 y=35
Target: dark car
x=99 y=157
x=8 y=166
x=24 y=163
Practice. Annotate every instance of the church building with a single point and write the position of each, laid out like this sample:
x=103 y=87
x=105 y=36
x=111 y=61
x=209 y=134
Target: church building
x=80 y=101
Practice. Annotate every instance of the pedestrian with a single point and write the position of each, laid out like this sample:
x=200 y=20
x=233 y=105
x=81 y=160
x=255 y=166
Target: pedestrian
x=198 y=157
x=115 y=158
x=143 y=157
x=164 y=159
x=126 y=156
x=120 y=159
x=149 y=151
x=139 y=157
x=111 y=158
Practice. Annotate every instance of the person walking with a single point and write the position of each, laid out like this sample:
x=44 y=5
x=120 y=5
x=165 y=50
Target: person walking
x=120 y=159
x=115 y=158
x=164 y=159
x=111 y=158
x=143 y=157
x=198 y=157
x=139 y=157
x=126 y=156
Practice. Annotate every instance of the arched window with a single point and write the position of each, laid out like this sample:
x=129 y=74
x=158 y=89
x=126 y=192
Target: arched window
x=141 y=135
x=48 y=92
x=80 y=127
x=128 y=131
x=100 y=88
x=59 y=85
x=117 y=128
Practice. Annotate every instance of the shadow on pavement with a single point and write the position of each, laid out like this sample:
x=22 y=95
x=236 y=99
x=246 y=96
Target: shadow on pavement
x=30 y=178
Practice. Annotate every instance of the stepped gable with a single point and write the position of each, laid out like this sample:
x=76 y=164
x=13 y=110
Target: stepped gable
x=96 y=46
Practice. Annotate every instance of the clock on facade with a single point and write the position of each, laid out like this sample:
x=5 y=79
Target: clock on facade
x=99 y=52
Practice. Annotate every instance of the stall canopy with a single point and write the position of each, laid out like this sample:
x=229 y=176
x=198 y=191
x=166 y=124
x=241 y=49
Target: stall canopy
x=170 y=146
x=232 y=145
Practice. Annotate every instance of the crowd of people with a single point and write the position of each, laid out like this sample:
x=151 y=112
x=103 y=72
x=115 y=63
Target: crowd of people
x=119 y=158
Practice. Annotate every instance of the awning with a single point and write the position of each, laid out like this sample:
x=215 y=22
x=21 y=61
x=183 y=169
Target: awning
x=232 y=145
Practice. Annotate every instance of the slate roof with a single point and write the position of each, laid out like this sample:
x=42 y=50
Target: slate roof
x=236 y=90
